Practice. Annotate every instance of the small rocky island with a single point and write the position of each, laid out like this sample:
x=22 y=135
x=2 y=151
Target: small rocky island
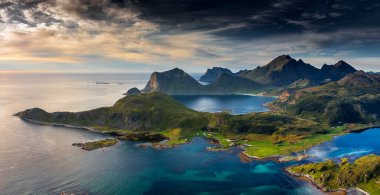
x=96 y=144
x=329 y=176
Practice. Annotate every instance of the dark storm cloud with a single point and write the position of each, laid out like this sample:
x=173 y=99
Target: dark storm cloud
x=262 y=18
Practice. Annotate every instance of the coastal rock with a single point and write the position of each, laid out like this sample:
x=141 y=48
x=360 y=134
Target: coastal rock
x=213 y=74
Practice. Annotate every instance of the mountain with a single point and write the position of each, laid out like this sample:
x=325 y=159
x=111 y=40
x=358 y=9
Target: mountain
x=173 y=82
x=353 y=99
x=282 y=71
x=177 y=82
x=157 y=112
x=212 y=74
x=361 y=80
x=337 y=71
x=227 y=83
x=153 y=111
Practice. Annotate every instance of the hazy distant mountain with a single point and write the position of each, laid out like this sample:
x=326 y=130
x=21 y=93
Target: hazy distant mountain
x=371 y=72
x=337 y=71
x=213 y=74
x=282 y=71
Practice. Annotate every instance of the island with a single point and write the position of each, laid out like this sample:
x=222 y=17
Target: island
x=96 y=144
x=309 y=110
x=363 y=173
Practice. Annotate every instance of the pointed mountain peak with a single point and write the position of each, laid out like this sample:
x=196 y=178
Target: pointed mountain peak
x=283 y=57
x=212 y=74
x=175 y=71
x=341 y=63
x=344 y=66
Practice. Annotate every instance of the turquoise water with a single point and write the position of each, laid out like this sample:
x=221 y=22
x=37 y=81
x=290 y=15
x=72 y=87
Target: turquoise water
x=37 y=159
x=351 y=146
x=235 y=104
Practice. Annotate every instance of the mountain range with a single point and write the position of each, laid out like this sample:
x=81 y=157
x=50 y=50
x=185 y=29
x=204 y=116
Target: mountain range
x=178 y=82
x=282 y=72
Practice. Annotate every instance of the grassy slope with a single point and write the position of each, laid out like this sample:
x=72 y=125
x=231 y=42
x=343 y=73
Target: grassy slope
x=350 y=100
x=330 y=176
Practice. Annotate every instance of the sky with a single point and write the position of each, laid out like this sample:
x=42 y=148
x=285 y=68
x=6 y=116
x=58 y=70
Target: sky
x=155 y=35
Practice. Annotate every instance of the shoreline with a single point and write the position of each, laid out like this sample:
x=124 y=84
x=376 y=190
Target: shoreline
x=273 y=157
x=307 y=178
x=113 y=133
x=244 y=157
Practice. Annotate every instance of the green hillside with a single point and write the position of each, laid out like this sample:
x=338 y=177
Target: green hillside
x=330 y=176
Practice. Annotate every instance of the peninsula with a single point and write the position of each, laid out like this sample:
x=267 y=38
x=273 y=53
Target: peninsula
x=330 y=176
x=299 y=118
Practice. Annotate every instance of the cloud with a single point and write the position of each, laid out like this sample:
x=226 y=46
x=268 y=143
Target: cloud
x=161 y=34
